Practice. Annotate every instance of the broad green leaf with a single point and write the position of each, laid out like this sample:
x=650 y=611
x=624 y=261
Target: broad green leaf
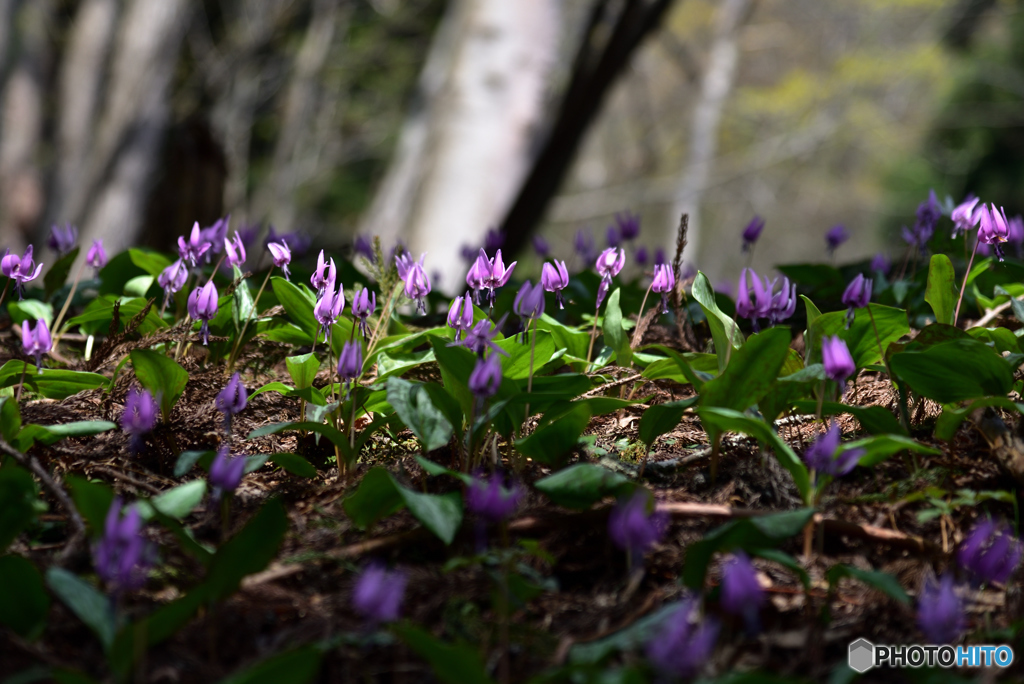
x=24 y=603
x=92 y=499
x=582 y=485
x=376 y=497
x=416 y=409
x=86 y=602
x=287 y=333
x=329 y=431
x=439 y=513
x=751 y=371
x=162 y=376
x=187 y=459
x=880 y=447
x=10 y=418
x=724 y=331
x=614 y=335
x=860 y=338
x=941 y=292
x=249 y=551
x=391 y=363
x=1002 y=339
x=51 y=383
x=30 y=310
x=954 y=371
x=242 y=303
x=51 y=434
x=452 y=663
x=19 y=497
x=179 y=501
x=294 y=464
x=751 y=534
x=876 y=420
x=303 y=369
x=149 y=261
x=58 y=273
x=951 y=417
x=551 y=443
x=296 y=666
x=298 y=301
x=516 y=365
x=661 y=418
x=574 y=341
x=882 y=581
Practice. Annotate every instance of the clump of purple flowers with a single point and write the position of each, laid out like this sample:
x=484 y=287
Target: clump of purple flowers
x=364 y=303
x=940 y=612
x=123 y=557
x=488 y=274
x=139 y=416
x=635 y=524
x=684 y=642
x=378 y=593
x=190 y=250
x=928 y=214
x=775 y=306
x=990 y=553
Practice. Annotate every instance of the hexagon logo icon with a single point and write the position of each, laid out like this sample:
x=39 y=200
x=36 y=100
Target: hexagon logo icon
x=862 y=655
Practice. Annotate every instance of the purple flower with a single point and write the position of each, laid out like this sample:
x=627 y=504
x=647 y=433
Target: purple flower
x=640 y=256
x=835 y=355
x=298 y=242
x=62 y=238
x=966 y=215
x=752 y=232
x=234 y=250
x=635 y=524
x=324 y=276
x=761 y=306
x=378 y=593
x=628 y=225
x=20 y=270
x=96 y=256
x=823 y=456
x=226 y=472
x=172 y=279
x=328 y=307
x=282 y=256
x=36 y=341
x=202 y=306
x=664 y=282
x=608 y=265
x=880 y=263
x=994 y=229
x=659 y=257
x=856 y=296
x=350 y=362
x=918 y=237
x=836 y=236
x=940 y=614
x=490 y=274
x=215 y=235
x=364 y=303
x=684 y=643
x=493 y=240
x=139 y=416
x=529 y=302
x=742 y=594
x=248 y=234
x=928 y=214
x=417 y=283
x=554 y=277
x=232 y=399
x=123 y=556
x=990 y=552
x=194 y=247
x=460 y=315
x=364 y=247
x=485 y=380
x=613 y=236
x=783 y=302
x=481 y=336
x=583 y=244
x=490 y=499
x=541 y=246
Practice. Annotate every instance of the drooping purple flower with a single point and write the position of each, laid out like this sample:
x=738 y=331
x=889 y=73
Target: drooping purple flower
x=485 y=380
x=856 y=296
x=628 y=225
x=328 y=307
x=742 y=594
x=139 y=416
x=994 y=229
x=20 y=270
x=215 y=235
x=529 y=302
x=684 y=643
x=460 y=315
x=613 y=237
x=363 y=246
x=378 y=593
x=761 y=305
x=481 y=336
x=282 y=256
x=635 y=524
x=62 y=238
x=123 y=556
x=835 y=355
x=928 y=214
x=248 y=234
x=664 y=282
x=554 y=277
x=297 y=241
x=836 y=236
x=36 y=341
x=493 y=239
x=608 y=265
x=417 y=283
x=583 y=244
x=489 y=274
x=880 y=263
x=541 y=246
x=659 y=257
x=990 y=553
x=783 y=302
x=172 y=279
x=640 y=256
x=489 y=498
x=232 y=399
x=324 y=275
x=918 y=237
x=350 y=361
x=96 y=256
x=940 y=613
x=824 y=456
x=364 y=303
x=752 y=232
x=202 y=306
x=966 y=215
x=478 y=274
x=226 y=472
x=190 y=250
x=234 y=250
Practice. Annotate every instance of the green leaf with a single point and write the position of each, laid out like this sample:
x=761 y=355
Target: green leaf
x=1002 y=339
x=58 y=273
x=149 y=261
x=30 y=310
x=329 y=431
x=661 y=418
x=876 y=420
x=179 y=501
x=951 y=417
x=242 y=306
x=954 y=371
x=294 y=464
x=92 y=499
x=751 y=534
x=880 y=447
x=187 y=459
x=18 y=494
x=162 y=376
x=155 y=628
x=724 y=331
x=88 y=604
x=452 y=663
x=614 y=335
x=632 y=638
x=249 y=551
x=941 y=291
x=882 y=581
x=516 y=365
x=416 y=409
x=751 y=371
x=296 y=666
x=582 y=485
x=24 y=603
x=52 y=384
x=439 y=513
x=446 y=404
x=376 y=497
x=303 y=369
x=51 y=434
x=298 y=301
x=574 y=341
x=860 y=338
x=551 y=443
x=392 y=363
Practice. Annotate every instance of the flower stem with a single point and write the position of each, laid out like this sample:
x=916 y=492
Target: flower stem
x=255 y=304
x=593 y=333
x=67 y=303
x=904 y=417
x=639 y=316
x=529 y=378
x=963 y=286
